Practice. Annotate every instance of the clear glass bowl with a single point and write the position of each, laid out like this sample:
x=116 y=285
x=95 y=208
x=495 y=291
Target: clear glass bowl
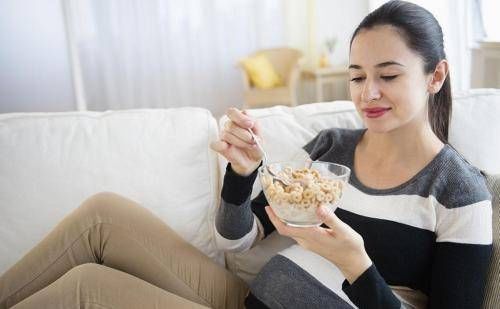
x=321 y=183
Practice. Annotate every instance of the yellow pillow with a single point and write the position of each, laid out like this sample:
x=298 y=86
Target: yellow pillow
x=261 y=72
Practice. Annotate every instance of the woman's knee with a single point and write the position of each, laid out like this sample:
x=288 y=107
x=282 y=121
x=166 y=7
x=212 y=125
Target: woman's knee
x=104 y=204
x=83 y=276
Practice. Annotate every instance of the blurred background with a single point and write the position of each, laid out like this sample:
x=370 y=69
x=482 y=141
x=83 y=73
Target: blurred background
x=63 y=55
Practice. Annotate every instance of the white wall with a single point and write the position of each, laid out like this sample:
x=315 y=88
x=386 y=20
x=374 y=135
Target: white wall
x=309 y=23
x=34 y=66
x=339 y=19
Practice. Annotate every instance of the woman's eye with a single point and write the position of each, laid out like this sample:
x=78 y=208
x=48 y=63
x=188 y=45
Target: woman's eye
x=388 y=77
x=357 y=79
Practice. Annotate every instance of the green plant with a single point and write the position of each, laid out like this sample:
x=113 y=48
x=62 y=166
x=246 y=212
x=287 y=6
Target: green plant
x=330 y=44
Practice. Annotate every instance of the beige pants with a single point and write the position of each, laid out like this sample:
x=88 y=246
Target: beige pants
x=113 y=253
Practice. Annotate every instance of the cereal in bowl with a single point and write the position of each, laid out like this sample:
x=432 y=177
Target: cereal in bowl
x=308 y=188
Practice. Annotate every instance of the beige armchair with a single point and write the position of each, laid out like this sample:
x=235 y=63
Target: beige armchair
x=286 y=62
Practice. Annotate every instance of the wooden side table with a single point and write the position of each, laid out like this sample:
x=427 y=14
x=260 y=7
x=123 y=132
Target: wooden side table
x=323 y=76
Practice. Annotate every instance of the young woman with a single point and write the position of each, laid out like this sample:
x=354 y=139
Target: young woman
x=414 y=228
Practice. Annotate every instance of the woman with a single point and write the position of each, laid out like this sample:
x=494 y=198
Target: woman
x=416 y=217
x=414 y=228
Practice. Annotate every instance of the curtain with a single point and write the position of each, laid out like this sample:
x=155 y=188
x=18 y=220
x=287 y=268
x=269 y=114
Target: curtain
x=167 y=53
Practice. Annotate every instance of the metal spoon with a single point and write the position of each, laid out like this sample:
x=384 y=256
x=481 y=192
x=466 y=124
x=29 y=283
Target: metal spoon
x=284 y=181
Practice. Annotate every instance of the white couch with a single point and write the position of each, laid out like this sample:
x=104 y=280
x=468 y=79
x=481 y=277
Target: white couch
x=50 y=162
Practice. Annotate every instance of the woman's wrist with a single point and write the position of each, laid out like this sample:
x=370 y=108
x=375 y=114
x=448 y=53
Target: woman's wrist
x=244 y=172
x=356 y=267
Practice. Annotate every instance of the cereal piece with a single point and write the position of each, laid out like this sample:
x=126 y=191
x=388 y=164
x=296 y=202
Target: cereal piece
x=316 y=174
x=277 y=198
x=297 y=175
x=337 y=184
x=285 y=197
x=305 y=203
x=295 y=197
x=326 y=187
x=271 y=190
x=329 y=197
x=298 y=189
x=308 y=194
x=320 y=196
x=314 y=187
x=336 y=194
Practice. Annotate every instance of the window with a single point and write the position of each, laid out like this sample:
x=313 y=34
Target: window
x=489 y=10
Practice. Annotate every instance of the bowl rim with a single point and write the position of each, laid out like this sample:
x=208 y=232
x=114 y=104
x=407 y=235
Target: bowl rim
x=347 y=173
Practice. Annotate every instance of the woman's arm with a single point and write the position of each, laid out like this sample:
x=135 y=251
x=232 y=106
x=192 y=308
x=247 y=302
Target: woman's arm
x=459 y=275
x=236 y=222
x=461 y=256
x=235 y=226
x=371 y=291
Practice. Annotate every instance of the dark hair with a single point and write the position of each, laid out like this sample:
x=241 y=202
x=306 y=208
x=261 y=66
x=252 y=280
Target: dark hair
x=422 y=33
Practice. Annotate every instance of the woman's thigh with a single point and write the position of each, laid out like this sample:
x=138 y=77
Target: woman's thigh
x=97 y=286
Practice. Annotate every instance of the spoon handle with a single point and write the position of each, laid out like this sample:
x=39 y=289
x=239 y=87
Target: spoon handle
x=256 y=140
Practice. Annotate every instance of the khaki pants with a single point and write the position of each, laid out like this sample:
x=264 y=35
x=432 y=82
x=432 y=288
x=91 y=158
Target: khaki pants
x=113 y=253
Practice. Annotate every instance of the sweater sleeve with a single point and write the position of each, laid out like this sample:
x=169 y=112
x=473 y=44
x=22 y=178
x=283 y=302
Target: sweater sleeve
x=238 y=218
x=461 y=256
x=371 y=291
x=459 y=275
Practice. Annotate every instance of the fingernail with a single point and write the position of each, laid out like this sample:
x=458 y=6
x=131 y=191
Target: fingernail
x=249 y=123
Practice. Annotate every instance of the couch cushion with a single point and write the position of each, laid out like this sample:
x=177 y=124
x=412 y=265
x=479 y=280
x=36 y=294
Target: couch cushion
x=474 y=128
x=492 y=292
x=51 y=162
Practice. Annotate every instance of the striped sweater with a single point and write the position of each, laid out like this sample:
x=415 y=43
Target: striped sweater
x=429 y=238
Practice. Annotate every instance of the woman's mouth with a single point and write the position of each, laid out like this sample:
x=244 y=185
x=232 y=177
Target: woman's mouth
x=375 y=112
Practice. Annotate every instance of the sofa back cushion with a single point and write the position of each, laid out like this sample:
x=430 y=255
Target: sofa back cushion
x=51 y=162
x=475 y=128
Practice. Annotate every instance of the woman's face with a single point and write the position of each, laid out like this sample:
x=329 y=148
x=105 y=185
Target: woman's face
x=388 y=84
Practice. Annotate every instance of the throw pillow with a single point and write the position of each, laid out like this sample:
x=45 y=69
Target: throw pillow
x=261 y=72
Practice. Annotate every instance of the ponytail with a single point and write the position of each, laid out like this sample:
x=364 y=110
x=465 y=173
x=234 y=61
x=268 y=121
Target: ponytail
x=440 y=110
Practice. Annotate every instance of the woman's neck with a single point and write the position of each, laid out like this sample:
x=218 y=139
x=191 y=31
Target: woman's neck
x=411 y=144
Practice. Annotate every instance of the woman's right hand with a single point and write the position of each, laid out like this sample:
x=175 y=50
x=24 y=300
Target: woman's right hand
x=236 y=143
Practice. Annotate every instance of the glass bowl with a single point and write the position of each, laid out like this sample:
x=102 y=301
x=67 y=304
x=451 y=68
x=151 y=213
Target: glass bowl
x=295 y=203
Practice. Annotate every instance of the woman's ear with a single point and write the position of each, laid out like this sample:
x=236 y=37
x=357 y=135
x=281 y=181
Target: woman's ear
x=438 y=77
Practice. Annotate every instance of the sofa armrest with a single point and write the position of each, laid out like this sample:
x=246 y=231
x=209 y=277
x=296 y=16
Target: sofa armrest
x=492 y=289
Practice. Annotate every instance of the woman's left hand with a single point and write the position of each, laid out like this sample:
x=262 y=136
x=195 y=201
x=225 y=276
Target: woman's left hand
x=338 y=243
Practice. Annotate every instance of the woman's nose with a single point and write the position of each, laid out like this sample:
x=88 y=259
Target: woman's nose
x=371 y=91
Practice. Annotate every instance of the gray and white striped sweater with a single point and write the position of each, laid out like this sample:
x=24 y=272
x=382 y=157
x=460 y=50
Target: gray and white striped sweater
x=431 y=236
